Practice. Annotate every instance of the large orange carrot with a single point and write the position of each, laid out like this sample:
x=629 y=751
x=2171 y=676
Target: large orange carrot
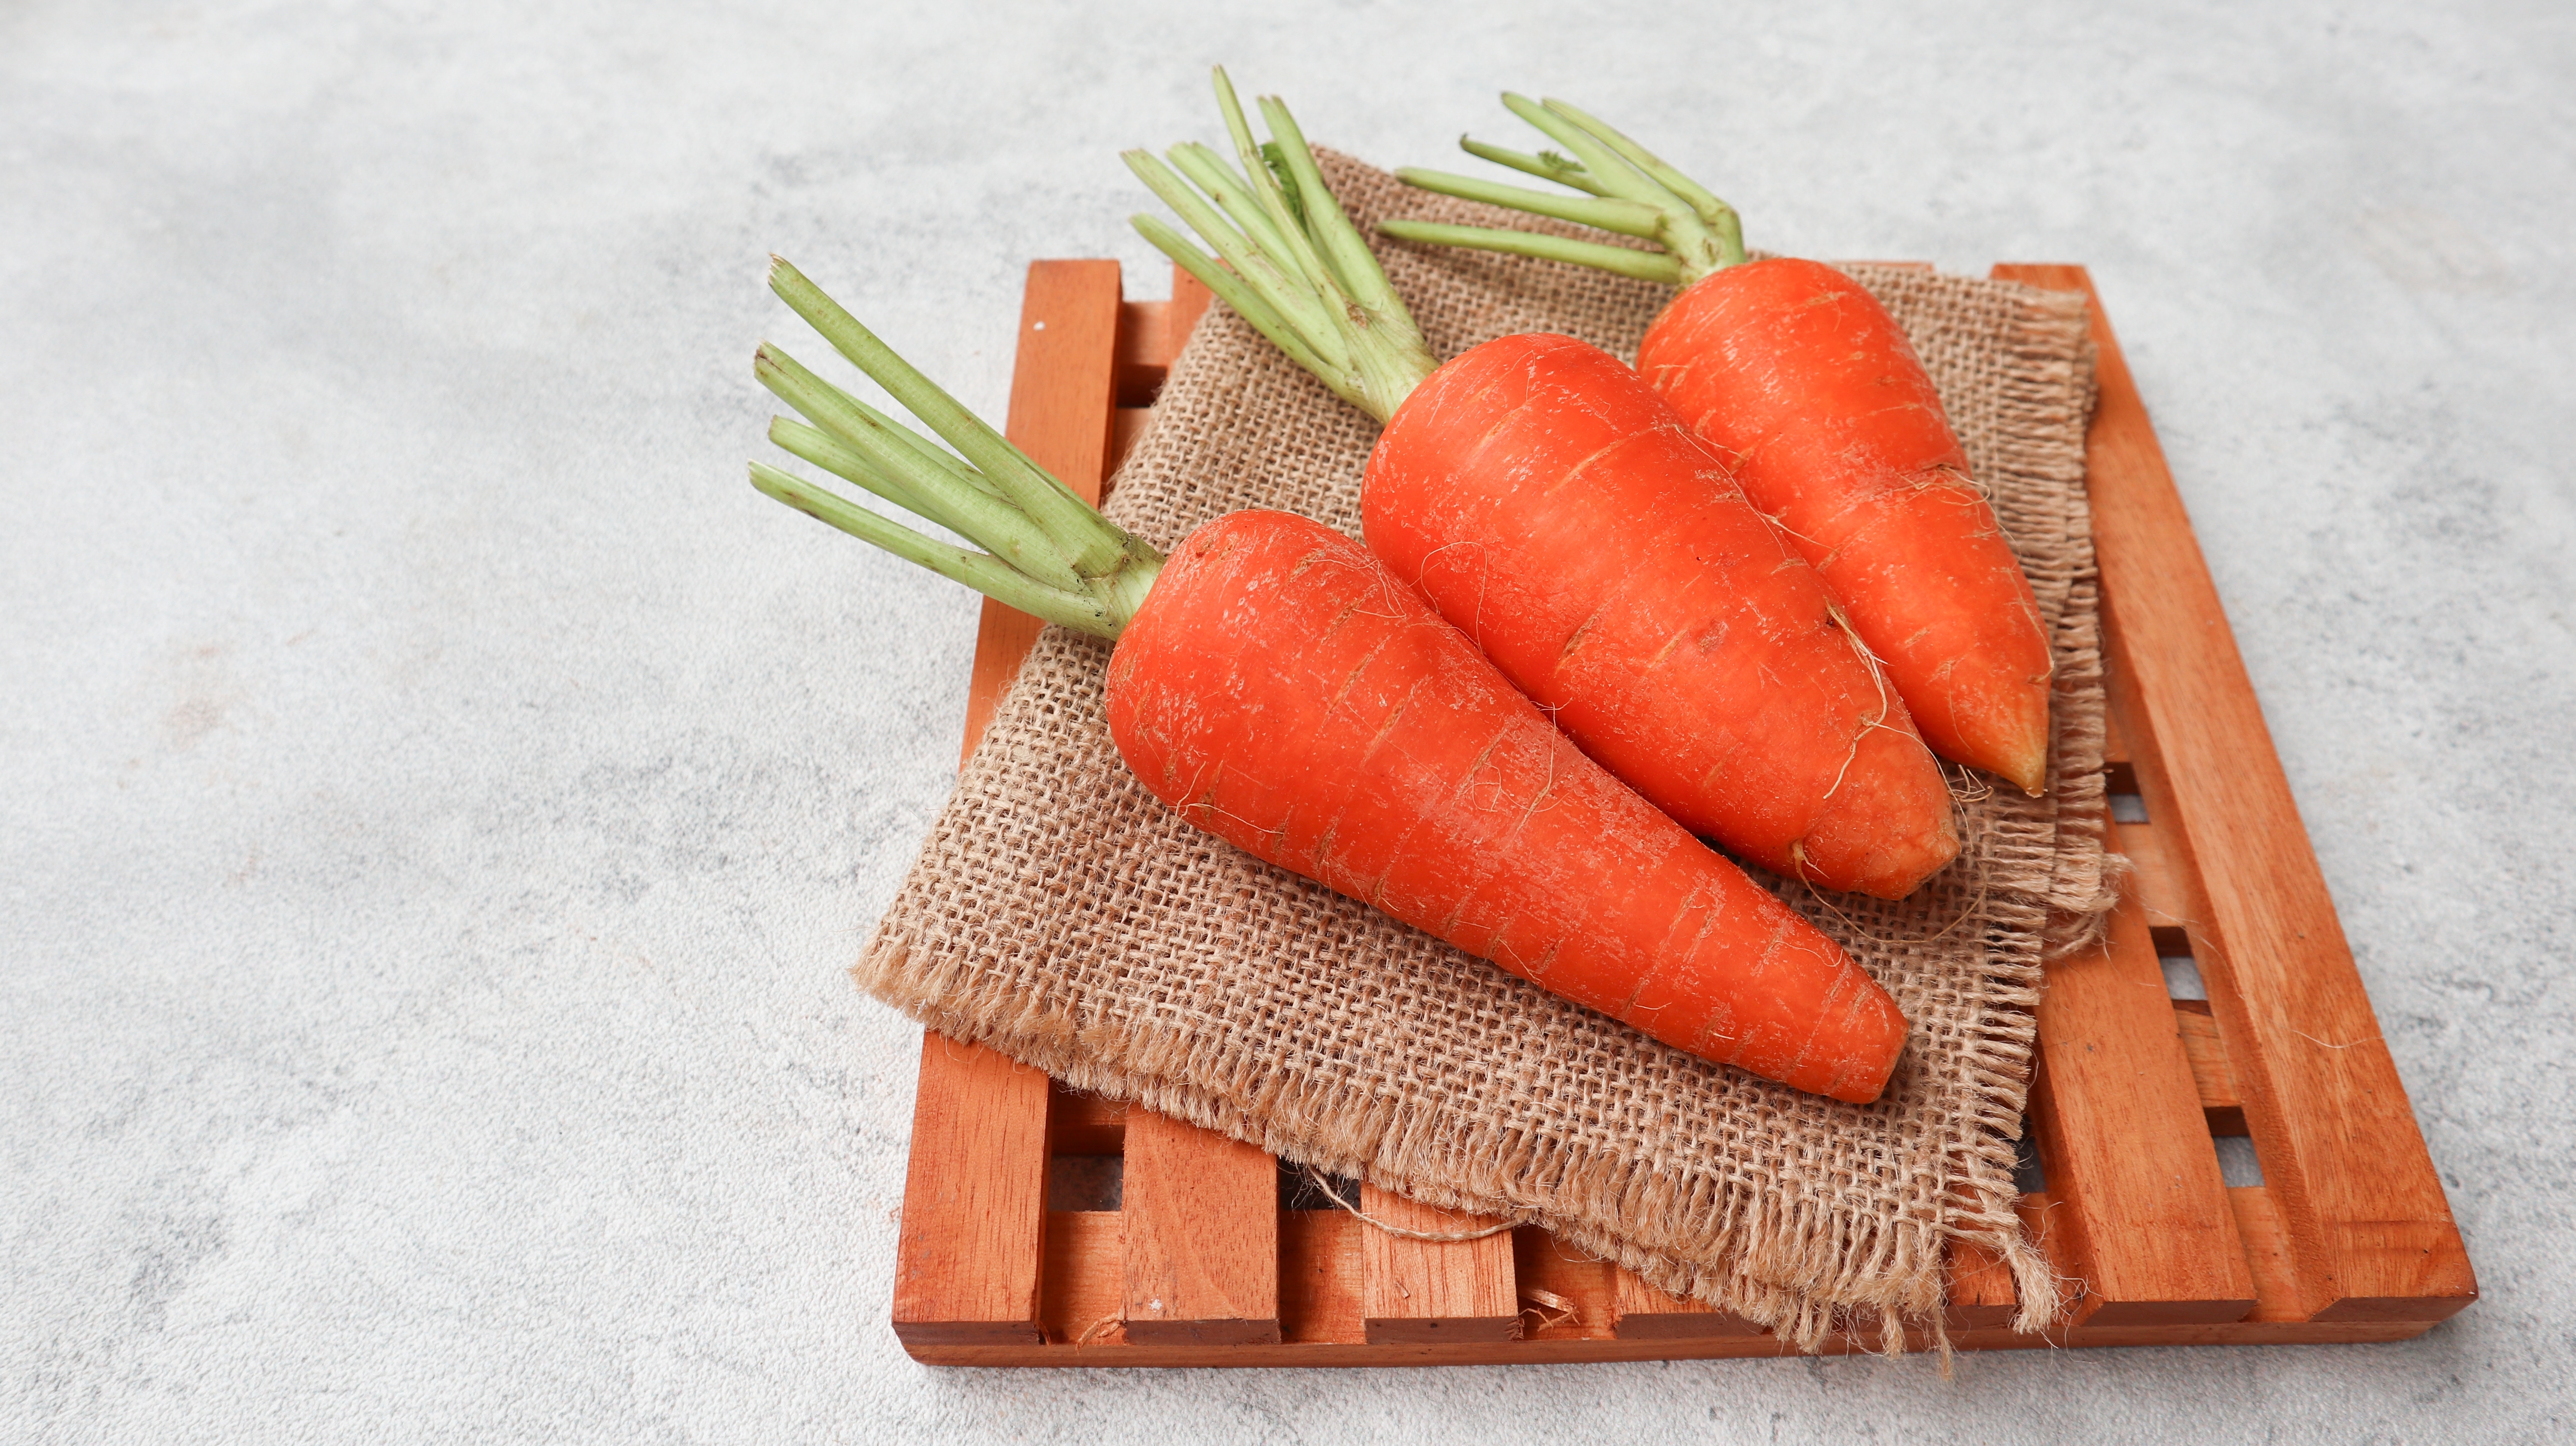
x=1549 y=502
x=1800 y=378
x=1699 y=661
x=1278 y=686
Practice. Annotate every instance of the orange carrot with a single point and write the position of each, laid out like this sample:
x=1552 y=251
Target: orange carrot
x=1698 y=658
x=1549 y=502
x=1278 y=686
x=1365 y=743
x=1798 y=377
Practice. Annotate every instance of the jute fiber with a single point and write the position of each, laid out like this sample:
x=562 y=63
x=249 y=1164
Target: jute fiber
x=1062 y=916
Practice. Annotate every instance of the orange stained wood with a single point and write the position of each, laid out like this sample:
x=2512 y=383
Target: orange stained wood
x=1978 y=1288
x=2155 y=885
x=975 y=1191
x=1565 y=1294
x=1319 y=1278
x=974 y=1200
x=2369 y=1231
x=1064 y=390
x=1645 y=1313
x=1080 y=1124
x=2121 y=1134
x=1424 y=1290
x=1201 y=1233
x=1081 y=1305
x=2219 y=1102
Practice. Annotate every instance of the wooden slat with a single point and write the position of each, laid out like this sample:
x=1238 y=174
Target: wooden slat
x=975 y=1195
x=2369 y=1231
x=1064 y=393
x=2267 y=1249
x=1978 y=1287
x=1545 y=1272
x=1645 y=1313
x=1080 y=1124
x=2220 y=1104
x=974 y=1200
x=2126 y=1149
x=2158 y=890
x=1319 y=1277
x=1082 y=1289
x=1202 y=1235
x=1421 y=1290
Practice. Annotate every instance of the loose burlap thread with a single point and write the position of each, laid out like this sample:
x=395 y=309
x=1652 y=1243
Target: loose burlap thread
x=1061 y=915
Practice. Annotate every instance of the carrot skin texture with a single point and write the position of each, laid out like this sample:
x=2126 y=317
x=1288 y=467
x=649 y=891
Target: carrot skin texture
x=1282 y=689
x=1797 y=375
x=1551 y=504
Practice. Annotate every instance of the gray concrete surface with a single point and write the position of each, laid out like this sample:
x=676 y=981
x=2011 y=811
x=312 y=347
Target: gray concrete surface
x=441 y=797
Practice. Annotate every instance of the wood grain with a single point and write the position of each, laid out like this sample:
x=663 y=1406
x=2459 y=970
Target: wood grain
x=2122 y=1137
x=2368 y=1228
x=1420 y=1290
x=2219 y=1102
x=1643 y=1313
x=1319 y=1277
x=974 y=1200
x=1202 y=1235
x=1564 y=1294
x=967 y=1261
x=2158 y=890
x=1064 y=391
x=1082 y=1290
x=1978 y=1289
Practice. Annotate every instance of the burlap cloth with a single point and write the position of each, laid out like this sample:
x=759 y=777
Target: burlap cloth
x=1061 y=915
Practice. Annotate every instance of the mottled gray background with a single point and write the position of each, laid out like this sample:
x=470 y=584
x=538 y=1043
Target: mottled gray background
x=441 y=797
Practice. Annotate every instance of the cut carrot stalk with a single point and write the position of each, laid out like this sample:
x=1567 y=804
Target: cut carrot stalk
x=1276 y=685
x=1799 y=377
x=1545 y=499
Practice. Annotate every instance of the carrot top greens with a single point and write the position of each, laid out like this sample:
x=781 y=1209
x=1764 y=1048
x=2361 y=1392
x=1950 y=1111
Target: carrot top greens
x=1051 y=555
x=1301 y=273
x=1629 y=191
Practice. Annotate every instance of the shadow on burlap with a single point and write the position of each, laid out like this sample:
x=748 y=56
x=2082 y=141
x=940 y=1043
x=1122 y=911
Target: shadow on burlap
x=1062 y=916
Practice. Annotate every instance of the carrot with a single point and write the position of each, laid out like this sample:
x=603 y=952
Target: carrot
x=1275 y=684
x=1545 y=499
x=1798 y=376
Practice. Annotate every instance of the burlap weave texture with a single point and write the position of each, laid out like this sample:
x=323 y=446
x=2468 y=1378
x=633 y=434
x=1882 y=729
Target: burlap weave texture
x=1061 y=915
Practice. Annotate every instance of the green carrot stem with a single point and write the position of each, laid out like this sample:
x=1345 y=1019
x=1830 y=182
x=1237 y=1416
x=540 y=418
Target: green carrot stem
x=1609 y=213
x=885 y=451
x=1546 y=165
x=1088 y=544
x=1293 y=264
x=1700 y=234
x=1643 y=265
x=1600 y=162
x=1291 y=301
x=1051 y=553
x=1207 y=171
x=1236 y=293
x=1009 y=536
x=1717 y=214
x=988 y=575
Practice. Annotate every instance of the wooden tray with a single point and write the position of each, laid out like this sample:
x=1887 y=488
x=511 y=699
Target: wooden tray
x=1203 y=1263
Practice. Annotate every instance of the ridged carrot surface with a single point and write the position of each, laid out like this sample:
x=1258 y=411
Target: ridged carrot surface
x=1551 y=504
x=1798 y=376
x=1282 y=689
